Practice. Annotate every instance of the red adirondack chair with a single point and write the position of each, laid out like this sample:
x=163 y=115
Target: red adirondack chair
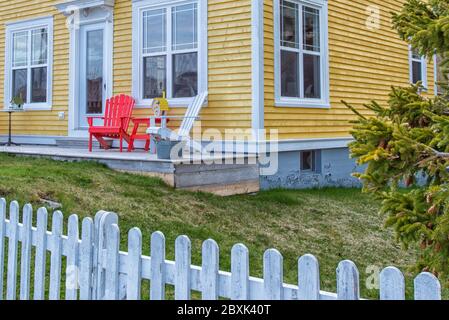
x=116 y=121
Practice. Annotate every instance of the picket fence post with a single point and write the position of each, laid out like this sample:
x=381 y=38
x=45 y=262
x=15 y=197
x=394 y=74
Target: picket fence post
x=273 y=275
x=2 y=242
x=209 y=270
x=12 y=250
x=392 y=284
x=25 y=267
x=86 y=260
x=134 y=265
x=157 y=284
x=308 y=278
x=427 y=287
x=40 y=263
x=240 y=273
x=182 y=266
x=347 y=281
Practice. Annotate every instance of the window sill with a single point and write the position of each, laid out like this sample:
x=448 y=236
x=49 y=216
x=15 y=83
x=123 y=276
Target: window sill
x=37 y=107
x=296 y=103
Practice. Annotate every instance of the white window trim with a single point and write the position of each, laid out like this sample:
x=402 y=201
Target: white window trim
x=324 y=102
x=142 y=5
x=423 y=61
x=13 y=27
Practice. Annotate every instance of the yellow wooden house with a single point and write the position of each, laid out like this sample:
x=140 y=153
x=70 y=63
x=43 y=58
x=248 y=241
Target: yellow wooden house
x=274 y=65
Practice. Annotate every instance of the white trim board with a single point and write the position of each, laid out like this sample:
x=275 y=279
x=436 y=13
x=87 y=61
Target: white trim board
x=258 y=70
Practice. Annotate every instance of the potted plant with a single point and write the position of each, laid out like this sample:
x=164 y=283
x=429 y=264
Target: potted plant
x=17 y=103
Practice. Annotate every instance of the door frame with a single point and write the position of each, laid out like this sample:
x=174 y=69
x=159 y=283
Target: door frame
x=84 y=30
x=100 y=15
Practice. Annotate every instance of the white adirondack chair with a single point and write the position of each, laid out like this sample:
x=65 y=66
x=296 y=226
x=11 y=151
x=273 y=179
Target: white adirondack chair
x=188 y=120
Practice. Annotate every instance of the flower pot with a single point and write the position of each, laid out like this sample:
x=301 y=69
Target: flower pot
x=164 y=149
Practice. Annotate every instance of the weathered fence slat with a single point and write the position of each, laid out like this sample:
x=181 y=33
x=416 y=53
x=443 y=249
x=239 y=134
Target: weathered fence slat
x=182 y=266
x=86 y=258
x=273 y=275
x=56 y=256
x=308 y=278
x=72 y=272
x=25 y=256
x=40 y=261
x=392 y=284
x=12 y=251
x=134 y=265
x=112 y=263
x=209 y=270
x=157 y=284
x=2 y=242
x=347 y=281
x=239 y=272
x=427 y=287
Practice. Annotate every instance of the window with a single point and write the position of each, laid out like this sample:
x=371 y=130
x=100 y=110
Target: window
x=28 y=63
x=439 y=76
x=311 y=161
x=171 y=53
x=301 y=53
x=418 y=68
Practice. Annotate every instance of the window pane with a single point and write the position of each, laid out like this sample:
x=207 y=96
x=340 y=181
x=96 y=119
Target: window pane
x=19 y=84
x=185 y=33
x=289 y=74
x=289 y=25
x=154 y=34
x=307 y=161
x=20 y=48
x=416 y=71
x=311 y=23
x=416 y=55
x=154 y=77
x=39 y=42
x=94 y=71
x=39 y=85
x=312 y=76
x=185 y=75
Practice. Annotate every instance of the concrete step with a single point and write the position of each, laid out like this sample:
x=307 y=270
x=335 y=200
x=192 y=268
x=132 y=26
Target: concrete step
x=78 y=143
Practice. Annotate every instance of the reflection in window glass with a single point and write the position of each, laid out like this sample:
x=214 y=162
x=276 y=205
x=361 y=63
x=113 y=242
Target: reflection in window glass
x=39 y=40
x=311 y=29
x=38 y=85
x=20 y=49
x=154 y=31
x=289 y=74
x=19 y=84
x=289 y=27
x=312 y=76
x=185 y=34
x=185 y=75
x=154 y=77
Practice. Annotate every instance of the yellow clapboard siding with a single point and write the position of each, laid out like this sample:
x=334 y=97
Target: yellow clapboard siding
x=364 y=63
x=38 y=122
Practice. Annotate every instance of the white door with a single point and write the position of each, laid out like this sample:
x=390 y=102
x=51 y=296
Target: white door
x=92 y=80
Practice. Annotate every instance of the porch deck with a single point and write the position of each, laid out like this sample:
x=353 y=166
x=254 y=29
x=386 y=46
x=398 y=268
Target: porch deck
x=222 y=175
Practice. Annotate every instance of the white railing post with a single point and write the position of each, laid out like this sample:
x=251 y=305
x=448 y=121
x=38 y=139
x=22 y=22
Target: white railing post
x=308 y=278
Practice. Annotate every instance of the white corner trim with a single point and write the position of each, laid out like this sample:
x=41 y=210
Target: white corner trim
x=324 y=102
x=258 y=70
x=25 y=25
x=138 y=6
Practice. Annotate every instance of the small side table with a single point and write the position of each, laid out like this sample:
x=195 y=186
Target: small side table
x=10 y=112
x=145 y=137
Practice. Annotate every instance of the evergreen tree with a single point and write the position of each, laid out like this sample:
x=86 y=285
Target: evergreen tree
x=405 y=145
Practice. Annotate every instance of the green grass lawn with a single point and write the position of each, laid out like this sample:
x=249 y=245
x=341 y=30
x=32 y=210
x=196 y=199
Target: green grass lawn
x=332 y=224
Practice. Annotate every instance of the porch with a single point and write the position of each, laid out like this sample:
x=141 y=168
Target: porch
x=221 y=175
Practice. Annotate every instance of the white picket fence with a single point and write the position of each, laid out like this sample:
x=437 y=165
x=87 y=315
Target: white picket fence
x=95 y=269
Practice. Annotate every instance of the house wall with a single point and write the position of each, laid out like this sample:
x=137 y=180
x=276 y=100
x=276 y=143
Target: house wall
x=229 y=60
x=363 y=63
x=38 y=122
